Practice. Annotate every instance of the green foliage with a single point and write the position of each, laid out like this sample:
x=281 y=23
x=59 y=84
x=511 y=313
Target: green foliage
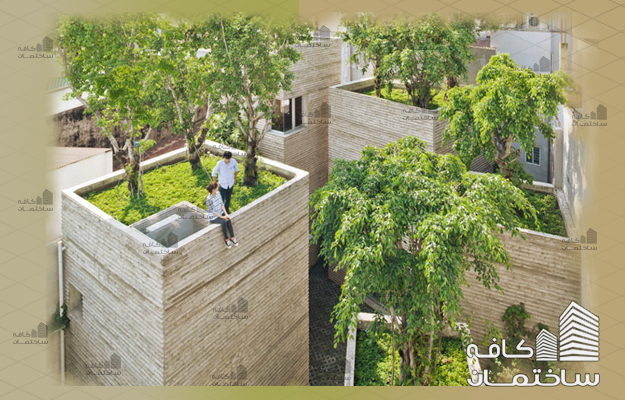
x=427 y=50
x=106 y=61
x=60 y=322
x=171 y=184
x=448 y=217
x=252 y=57
x=514 y=321
x=401 y=96
x=371 y=37
x=222 y=129
x=507 y=105
x=374 y=361
x=549 y=217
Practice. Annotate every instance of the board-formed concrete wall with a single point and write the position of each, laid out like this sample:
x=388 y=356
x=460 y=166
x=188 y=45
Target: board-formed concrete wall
x=359 y=120
x=544 y=276
x=163 y=313
x=482 y=57
x=307 y=146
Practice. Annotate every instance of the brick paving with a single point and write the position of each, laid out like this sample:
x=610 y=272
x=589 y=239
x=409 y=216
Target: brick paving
x=327 y=364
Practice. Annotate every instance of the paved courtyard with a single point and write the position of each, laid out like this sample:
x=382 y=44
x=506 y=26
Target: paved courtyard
x=327 y=364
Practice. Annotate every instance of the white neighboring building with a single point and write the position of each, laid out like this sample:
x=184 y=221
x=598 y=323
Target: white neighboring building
x=71 y=166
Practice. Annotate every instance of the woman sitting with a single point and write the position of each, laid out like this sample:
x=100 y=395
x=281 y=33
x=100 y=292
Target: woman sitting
x=217 y=213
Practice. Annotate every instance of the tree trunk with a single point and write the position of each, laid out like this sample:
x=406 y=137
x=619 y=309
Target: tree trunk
x=377 y=82
x=251 y=169
x=426 y=378
x=132 y=168
x=195 y=147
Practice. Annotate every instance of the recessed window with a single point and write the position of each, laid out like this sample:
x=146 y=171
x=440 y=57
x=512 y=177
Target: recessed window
x=75 y=302
x=289 y=114
x=533 y=157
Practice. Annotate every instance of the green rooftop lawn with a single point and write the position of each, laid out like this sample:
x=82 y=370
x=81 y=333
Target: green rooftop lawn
x=401 y=96
x=374 y=361
x=169 y=185
x=547 y=212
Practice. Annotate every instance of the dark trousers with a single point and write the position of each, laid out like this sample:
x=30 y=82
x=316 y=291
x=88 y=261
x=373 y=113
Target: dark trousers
x=225 y=227
x=225 y=196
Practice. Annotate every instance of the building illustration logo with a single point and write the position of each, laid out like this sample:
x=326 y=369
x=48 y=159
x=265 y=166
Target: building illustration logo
x=545 y=64
x=546 y=346
x=578 y=341
x=579 y=334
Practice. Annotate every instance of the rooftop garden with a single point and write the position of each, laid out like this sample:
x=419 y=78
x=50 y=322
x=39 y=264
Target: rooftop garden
x=400 y=95
x=547 y=212
x=170 y=184
x=374 y=359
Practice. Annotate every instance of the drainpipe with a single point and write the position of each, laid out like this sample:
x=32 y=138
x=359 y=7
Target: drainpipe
x=61 y=302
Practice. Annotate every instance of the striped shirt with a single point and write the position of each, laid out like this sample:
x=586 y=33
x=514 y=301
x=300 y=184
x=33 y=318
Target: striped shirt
x=214 y=205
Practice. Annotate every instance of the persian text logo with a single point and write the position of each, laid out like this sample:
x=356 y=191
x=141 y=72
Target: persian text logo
x=37 y=335
x=583 y=241
x=232 y=378
x=112 y=366
x=233 y=311
x=578 y=341
x=45 y=46
x=46 y=199
x=601 y=114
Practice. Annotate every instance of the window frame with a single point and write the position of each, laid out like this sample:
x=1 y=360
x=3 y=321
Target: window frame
x=295 y=118
x=531 y=158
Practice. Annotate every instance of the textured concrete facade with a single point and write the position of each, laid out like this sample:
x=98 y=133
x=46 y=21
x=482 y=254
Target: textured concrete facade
x=306 y=147
x=359 y=120
x=163 y=314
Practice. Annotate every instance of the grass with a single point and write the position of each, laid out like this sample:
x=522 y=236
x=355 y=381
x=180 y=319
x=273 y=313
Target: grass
x=374 y=361
x=168 y=185
x=401 y=96
x=548 y=214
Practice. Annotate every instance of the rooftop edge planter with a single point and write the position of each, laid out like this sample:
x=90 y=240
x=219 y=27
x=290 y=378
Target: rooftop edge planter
x=360 y=120
x=195 y=313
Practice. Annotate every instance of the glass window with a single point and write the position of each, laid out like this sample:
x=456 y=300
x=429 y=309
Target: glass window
x=533 y=157
x=288 y=114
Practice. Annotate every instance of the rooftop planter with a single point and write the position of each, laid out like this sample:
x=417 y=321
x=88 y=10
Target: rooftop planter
x=189 y=311
x=360 y=120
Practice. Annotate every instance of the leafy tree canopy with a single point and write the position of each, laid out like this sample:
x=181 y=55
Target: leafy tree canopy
x=406 y=224
x=507 y=104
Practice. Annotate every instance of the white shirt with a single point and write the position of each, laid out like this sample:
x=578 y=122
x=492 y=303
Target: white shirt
x=226 y=172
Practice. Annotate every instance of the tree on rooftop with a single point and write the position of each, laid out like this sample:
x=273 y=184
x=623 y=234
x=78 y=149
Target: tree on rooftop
x=507 y=105
x=426 y=50
x=105 y=64
x=188 y=82
x=406 y=224
x=252 y=57
x=371 y=38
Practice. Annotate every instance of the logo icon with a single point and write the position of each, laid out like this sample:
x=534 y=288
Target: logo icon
x=579 y=334
x=579 y=341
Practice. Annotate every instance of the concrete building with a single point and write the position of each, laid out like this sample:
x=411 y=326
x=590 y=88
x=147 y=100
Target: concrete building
x=188 y=311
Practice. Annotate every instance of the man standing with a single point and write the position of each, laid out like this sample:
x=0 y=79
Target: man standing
x=227 y=169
